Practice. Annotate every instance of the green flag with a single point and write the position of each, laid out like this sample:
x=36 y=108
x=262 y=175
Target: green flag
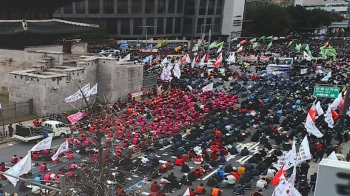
x=270 y=37
x=220 y=44
x=342 y=30
x=269 y=46
x=255 y=45
x=159 y=45
x=298 y=47
x=213 y=45
x=290 y=43
x=234 y=39
x=262 y=38
x=252 y=40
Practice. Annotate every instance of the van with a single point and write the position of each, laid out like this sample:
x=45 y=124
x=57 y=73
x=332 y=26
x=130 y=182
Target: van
x=110 y=52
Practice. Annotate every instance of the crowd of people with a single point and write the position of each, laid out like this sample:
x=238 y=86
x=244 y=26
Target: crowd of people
x=269 y=109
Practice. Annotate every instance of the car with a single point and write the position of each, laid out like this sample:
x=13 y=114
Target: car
x=110 y=52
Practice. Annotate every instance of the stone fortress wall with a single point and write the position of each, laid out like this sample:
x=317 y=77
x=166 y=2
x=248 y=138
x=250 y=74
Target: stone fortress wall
x=48 y=79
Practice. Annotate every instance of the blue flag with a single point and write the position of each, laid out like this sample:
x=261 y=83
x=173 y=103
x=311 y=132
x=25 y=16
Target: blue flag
x=149 y=47
x=149 y=58
x=138 y=45
x=124 y=45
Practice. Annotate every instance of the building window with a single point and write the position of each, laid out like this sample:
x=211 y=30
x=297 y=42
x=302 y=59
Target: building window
x=190 y=7
x=161 y=7
x=112 y=26
x=177 y=25
x=122 y=6
x=200 y=27
x=179 y=6
x=68 y=9
x=137 y=29
x=57 y=11
x=125 y=26
x=217 y=23
x=171 y=7
x=211 y=6
x=136 y=7
x=188 y=25
x=108 y=7
x=94 y=7
x=80 y=7
x=169 y=26
x=149 y=8
x=237 y=22
x=202 y=7
x=150 y=22
x=219 y=7
x=160 y=25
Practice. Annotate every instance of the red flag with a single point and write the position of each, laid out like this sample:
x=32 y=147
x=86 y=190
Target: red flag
x=207 y=58
x=218 y=61
x=280 y=174
x=184 y=58
x=149 y=64
x=335 y=114
x=197 y=58
x=312 y=113
x=289 y=36
x=243 y=42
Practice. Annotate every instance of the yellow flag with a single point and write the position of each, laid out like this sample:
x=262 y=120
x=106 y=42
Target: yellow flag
x=178 y=48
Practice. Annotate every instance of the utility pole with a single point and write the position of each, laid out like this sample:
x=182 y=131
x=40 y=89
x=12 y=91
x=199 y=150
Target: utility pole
x=146 y=28
x=345 y=109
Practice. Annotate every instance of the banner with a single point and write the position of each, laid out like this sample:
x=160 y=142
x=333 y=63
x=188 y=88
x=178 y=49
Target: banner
x=74 y=98
x=22 y=167
x=126 y=58
x=284 y=159
x=209 y=87
x=74 y=118
x=319 y=109
x=304 y=152
x=164 y=61
x=333 y=156
x=43 y=144
x=63 y=148
x=92 y=91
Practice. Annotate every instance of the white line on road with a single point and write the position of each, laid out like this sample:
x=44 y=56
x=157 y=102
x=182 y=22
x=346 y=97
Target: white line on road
x=145 y=193
x=231 y=157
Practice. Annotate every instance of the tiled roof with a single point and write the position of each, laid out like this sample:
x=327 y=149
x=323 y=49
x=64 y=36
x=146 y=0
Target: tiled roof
x=54 y=26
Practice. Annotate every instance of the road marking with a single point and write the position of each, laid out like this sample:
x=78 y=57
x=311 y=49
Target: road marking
x=145 y=193
x=163 y=162
x=229 y=158
x=134 y=185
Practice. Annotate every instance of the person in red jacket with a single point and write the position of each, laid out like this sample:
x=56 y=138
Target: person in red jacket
x=154 y=187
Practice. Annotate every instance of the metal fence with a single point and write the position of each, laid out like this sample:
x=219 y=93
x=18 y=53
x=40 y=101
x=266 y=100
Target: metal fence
x=17 y=109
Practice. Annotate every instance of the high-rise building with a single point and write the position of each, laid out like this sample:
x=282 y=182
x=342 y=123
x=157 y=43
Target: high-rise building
x=133 y=19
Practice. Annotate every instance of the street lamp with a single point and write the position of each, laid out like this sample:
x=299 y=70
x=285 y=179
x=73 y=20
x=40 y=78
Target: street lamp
x=146 y=27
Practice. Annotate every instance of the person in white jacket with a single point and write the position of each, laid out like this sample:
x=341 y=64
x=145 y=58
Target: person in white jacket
x=231 y=180
x=261 y=183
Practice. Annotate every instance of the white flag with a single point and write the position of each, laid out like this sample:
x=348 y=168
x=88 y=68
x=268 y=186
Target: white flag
x=319 y=109
x=93 y=91
x=74 y=98
x=177 y=71
x=85 y=90
x=63 y=148
x=187 y=193
x=284 y=159
x=231 y=58
x=195 y=48
x=337 y=101
x=326 y=78
x=164 y=61
x=304 y=152
x=22 y=167
x=166 y=74
x=311 y=127
x=193 y=62
x=126 y=58
x=201 y=62
x=306 y=56
x=43 y=144
x=328 y=118
x=219 y=50
x=332 y=156
x=209 y=87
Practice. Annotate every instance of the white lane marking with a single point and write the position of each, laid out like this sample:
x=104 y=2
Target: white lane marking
x=145 y=193
x=230 y=157
x=163 y=162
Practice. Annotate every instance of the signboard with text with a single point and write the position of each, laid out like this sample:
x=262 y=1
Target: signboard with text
x=326 y=91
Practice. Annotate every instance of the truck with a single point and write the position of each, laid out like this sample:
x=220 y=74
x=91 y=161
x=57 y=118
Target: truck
x=333 y=178
x=48 y=128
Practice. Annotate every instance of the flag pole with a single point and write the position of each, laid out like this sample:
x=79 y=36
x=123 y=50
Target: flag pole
x=345 y=109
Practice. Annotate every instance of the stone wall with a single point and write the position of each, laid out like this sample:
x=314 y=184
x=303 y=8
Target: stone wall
x=118 y=79
x=47 y=48
x=79 y=48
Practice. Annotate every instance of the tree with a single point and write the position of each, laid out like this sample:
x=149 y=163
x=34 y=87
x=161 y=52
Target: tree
x=271 y=20
x=319 y=18
x=337 y=17
x=299 y=16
